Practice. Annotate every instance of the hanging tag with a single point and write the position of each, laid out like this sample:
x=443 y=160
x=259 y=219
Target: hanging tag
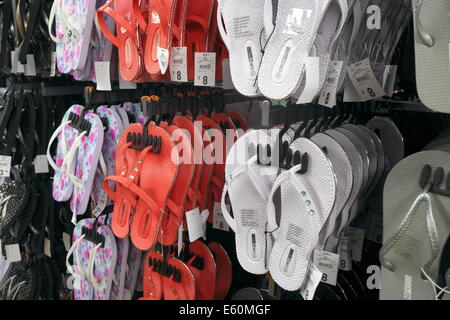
x=5 y=166
x=312 y=280
x=205 y=69
x=30 y=67
x=227 y=81
x=102 y=75
x=364 y=80
x=312 y=70
x=328 y=94
x=180 y=239
x=219 y=222
x=47 y=248
x=350 y=93
x=344 y=250
x=389 y=77
x=72 y=34
x=356 y=242
x=101 y=205
x=12 y=252
x=204 y=215
x=178 y=64
x=163 y=59
x=126 y=85
x=14 y=62
x=53 y=65
x=328 y=264
x=66 y=240
x=41 y=164
x=194 y=222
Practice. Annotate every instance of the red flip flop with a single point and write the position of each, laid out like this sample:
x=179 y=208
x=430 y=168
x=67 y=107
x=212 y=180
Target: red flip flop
x=224 y=274
x=168 y=231
x=203 y=267
x=158 y=30
x=153 y=281
x=155 y=175
x=124 y=200
x=221 y=54
x=179 y=24
x=180 y=283
x=195 y=134
x=130 y=61
x=214 y=190
x=198 y=20
x=239 y=121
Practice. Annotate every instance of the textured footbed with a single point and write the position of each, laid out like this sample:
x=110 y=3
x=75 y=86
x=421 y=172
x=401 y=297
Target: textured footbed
x=306 y=202
x=244 y=23
x=282 y=65
x=248 y=204
x=412 y=251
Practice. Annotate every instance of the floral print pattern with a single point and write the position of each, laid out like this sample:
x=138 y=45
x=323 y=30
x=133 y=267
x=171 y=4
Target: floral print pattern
x=121 y=267
x=133 y=262
x=86 y=164
x=62 y=186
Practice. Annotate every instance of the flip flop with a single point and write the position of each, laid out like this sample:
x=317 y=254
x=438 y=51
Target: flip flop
x=198 y=20
x=132 y=271
x=224 y=274
x=131 y=63
x=153 y=280
x=180 y=284
x=118 y=286
x=168 y=231
x=239 y=121
x=153 y=187
x=243 y=43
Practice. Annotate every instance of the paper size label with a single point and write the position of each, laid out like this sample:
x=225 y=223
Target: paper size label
x=194 y=222
x=219 y=222
x=41 y=164
x=312 y=71
x=102 y=75
x=178 y=64
x=312 y=280
x=101 y=205
x=5 y=166
x=328 y=264
x=205 y=69
x=12 y=252
x=356 y=242
x=344 y=250
x=30 y=67
x=328 y=94
x=364 y=80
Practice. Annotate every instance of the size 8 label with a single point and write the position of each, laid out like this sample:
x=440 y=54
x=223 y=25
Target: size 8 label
x=178 y=64
x=364 y=80
x=328 y=264
x=219 y=222
x=345 y=262
x=329 y=90
x=5 y=166
x=102 y=75
x=312 y=280
x=356 y=242
x=205 y=69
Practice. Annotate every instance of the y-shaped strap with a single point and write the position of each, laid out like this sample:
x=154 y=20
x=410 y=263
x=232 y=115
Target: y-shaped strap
x=403 y=227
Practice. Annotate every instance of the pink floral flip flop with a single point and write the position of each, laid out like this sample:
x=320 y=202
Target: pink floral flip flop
x=133 y=264
x=118 y=287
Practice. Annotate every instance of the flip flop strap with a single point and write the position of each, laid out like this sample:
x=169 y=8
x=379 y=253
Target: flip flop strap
x=31 y=27
x=221 y=27
x=91 y=264
x=403 y=227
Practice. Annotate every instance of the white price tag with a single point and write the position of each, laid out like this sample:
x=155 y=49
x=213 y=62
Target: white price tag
x=328 y=94
x=328 y=264
x=102 y=75
x=126 y=85
x=47 y=248
x=219 y=222
x=311 y=89
x=356 y=242
x=72 y=34
x=5 y=166
x=14 y=61
x=312 y=280
x=53 y=65
x=12 y=252
x=178 y=64
x=364 y=80
x=41 y=164
x=205 y=69
x=67 y=241
x=163 y=59
x=344 y=250
x=389 y=76
x=194 y=222
x=20 y=66
x=101 y=205
x=30 y=67
x=180 y=239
